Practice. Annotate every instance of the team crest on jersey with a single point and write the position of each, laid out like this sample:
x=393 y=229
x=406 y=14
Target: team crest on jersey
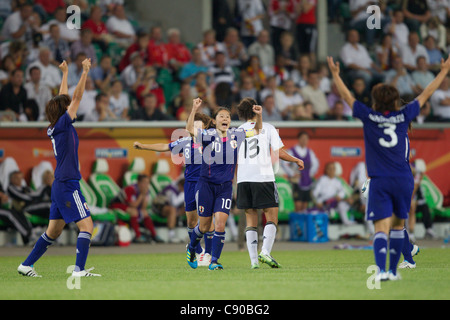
x=201 y=209
x=233 y=144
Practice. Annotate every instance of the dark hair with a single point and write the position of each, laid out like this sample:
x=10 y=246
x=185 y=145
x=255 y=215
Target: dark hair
x=141 y=177
x=302 y=133
x=386 y=98
x=207 y=121
x=56 y=107
x=245 y=108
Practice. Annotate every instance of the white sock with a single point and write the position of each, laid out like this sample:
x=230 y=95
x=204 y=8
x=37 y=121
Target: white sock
x=252 y=244
x=270 y=230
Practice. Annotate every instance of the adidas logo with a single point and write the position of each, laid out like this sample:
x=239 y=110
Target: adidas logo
x=255 y=242
x=382 y=250
x=371 y=215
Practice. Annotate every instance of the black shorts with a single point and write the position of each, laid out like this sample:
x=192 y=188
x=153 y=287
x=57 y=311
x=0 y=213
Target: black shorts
x=301 y=195
x=257 y=195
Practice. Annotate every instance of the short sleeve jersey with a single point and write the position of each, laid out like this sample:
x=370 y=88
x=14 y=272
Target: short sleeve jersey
x=64 y=139
x=220 y=155
x=192 y=153
x=386 y=139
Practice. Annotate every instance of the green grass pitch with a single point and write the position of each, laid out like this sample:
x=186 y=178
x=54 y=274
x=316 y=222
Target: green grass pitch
x=306 y=274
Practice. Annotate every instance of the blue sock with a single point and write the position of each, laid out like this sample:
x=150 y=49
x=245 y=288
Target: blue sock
x=83 y=243
x=208 y=241
x=198 y=248
x=217 y=245
x=407 y=247
x=39 y=249
x=196 y=236
x=380 y=250
x=396 y=238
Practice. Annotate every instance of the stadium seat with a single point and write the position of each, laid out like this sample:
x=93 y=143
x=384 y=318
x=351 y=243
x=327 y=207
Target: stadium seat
x=285 y=198
x=97 y=213
x=160 y=178
x=137 y=166
x=6 y=167
x=37 y=172
x=105 y=188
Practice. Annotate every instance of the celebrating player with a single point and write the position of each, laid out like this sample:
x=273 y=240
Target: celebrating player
x=387 y=160
x=68 y=203
x=193 y=162
x=214 y=188
x=256 y=188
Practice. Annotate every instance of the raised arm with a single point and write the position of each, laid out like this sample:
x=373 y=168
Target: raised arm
x=259 y=122
x=158 y=147
x=64 y=89
x=196 y=103
x=435 y=84
x=79 y=90
x=345 y=94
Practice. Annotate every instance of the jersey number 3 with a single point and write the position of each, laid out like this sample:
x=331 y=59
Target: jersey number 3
x=389 y=130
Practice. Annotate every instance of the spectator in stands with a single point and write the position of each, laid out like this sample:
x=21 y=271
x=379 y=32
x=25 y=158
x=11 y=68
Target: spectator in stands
x=103 y=74
x=101 y=111
x=222 y=18
x=119 y=26
x=281 y=15
x=306 y=28
x=256 y=71
x=18 y=25
x=14 y=218
x=58 y=47
x=398 y=29
x=300 y=73
x=440 y=101
x=422 y=77
x=334 y=97
x=439 y=9
x=416 y=12
x=180 y=106
x=235 y=49
x=50 y=6
x=263 y=50
x=191 y=69
x=220 y=71
x=272 y=89
x=50 y=74
x=100 y=33
x=287 y=50
x=402 y=80
x=60 y=18
x=434 y=54
x=178 y=53
x=433 y=27
x=324 y=78
x=133 y=75
x=385 y=52
x=84 y=45
x=424 y=115
x=290 y=99
x=149 y=85
x=313 y=93
x=13 y=95
x=150 y=110
x=38 y=91
x=7 y=66
x=134 y=200
x=302 y=183
x=361 y=92
x=329 y=194
x=270 y=112
x=75 y=69
x=412 y=51
x=119 y=102
x=303 y=112
x=357 y=60
x=158 y=56
x=337 y=112
x=251 y=14
x=202 y=90
x=18 y=51
x=248 y=89
x=209 y=47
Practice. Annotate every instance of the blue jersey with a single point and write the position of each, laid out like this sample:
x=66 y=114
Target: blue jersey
x=64 y=138
x=220 y=155
x=192 y=156
x=386 y=139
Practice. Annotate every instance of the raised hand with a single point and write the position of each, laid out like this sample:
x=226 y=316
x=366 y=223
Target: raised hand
x=86 y=65
x=63 y=67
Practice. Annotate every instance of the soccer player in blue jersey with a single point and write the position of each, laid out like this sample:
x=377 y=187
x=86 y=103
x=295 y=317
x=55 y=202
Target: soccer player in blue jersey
x=385 y=126
x=68 y=203
x=214 y=188
x=193 y=161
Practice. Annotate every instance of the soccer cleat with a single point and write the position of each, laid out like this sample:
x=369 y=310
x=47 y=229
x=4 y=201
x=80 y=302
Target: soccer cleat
x=191 y=258
x=394 y=277
x=382 y=276
x=215 y=266
x=85 y=273
x=27 y=271
x=205 y=260
x=267 y=259
x=415 y=250
x=407 y=265
x=255 y=266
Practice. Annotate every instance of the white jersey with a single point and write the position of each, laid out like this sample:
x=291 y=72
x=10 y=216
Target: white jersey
x=254 y=159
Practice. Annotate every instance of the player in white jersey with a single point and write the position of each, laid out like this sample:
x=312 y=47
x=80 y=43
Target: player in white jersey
x=256 y=188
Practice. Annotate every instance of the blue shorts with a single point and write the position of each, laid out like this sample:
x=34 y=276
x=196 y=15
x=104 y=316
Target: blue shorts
x=389 y=195
x=190 y=187
x=68 y=202
x=212 y=198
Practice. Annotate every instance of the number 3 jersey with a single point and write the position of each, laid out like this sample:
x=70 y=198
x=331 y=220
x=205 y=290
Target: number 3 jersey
x=386 y=139
x=255 y=162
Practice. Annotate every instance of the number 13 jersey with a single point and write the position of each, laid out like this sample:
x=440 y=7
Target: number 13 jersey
x=386 y=139
x=254 y=158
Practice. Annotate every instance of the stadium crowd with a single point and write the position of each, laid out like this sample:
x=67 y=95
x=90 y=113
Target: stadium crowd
x=260 y=49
